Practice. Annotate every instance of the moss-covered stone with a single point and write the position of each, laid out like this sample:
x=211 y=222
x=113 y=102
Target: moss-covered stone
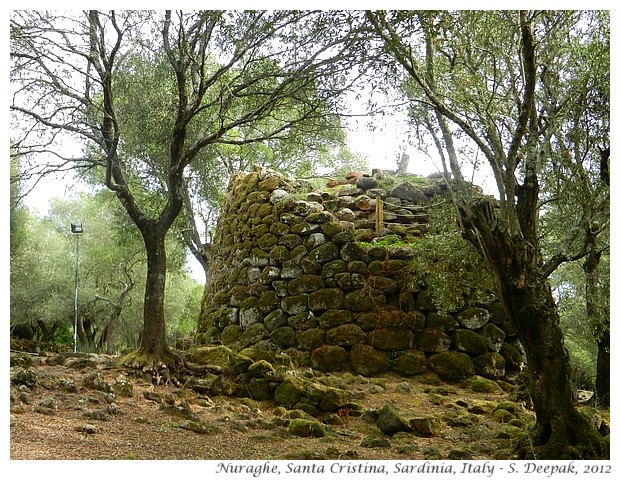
x=268 y=241
x=512 y=356
x=305 y=284
x=230 y=334
x=502 y=416
x=386 y=285
x=391 y=339
x=334 y=318
x=255 y=354
x=221 y=356
x=366 y=321
x=325 y=253
x=270 y=184
x=330 y=358
x=289 y=392
x=290 y=240
x=345 y=335
x=369 y=361
x=481 y=385
x=357 y=266
x=249 y=314
x=275 y=319
x=473 y=317
x=353 y=252
x=469 y=342
x=319 y=217
x=298 y=254
x=310 y=339
x=334 y=399
x=268 y=301
x=238 y=293
x=452 y=366
x=325 y=299
x=432 y=340
x=345 y=236
x=279 y=254
x=294 y=304
x=331 y=269
x=494 y=336
x=310 y=267
x=306 y=428
x=284 y=337
x=446 y=323
x=490 y=365
x=390 y=421
x=254 y=334
x=260 y=369
x=364 y=300
x=314 y=240
x=258 y=389
x=314 y=392
x=412 y=362
x=425 y=426
x=303 y=321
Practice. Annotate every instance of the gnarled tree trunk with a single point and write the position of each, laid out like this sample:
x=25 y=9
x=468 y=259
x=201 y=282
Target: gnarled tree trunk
x=560 y=431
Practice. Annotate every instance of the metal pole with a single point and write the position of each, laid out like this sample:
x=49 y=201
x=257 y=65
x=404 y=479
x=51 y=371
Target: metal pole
x=75 y=303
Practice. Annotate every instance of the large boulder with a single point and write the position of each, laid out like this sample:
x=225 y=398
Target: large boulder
x=412 y=362
x=452 y=366
x=368 y=360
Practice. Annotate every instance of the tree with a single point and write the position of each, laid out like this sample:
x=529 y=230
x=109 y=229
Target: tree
x=226 y=70
x=479 y=73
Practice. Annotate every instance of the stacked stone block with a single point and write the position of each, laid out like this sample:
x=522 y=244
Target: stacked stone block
x=299 y=272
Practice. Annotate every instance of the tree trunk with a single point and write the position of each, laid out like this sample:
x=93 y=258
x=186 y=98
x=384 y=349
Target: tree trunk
x=560 y=431
x=107 y=338
x=154 y=333
x=598 y=314
x=602 y=391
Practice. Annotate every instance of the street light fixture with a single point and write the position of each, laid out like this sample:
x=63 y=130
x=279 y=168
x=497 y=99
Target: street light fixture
x=76 y=230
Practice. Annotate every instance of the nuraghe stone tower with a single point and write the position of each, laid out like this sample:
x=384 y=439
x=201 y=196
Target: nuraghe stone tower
x=295 y=269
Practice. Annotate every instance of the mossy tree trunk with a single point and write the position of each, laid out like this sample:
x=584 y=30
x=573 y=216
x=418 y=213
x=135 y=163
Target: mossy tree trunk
x=560 y=431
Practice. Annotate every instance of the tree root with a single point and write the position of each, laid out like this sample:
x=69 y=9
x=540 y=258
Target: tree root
x=172 y=368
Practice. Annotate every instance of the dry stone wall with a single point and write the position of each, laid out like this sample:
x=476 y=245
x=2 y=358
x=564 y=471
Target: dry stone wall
x=295 y=268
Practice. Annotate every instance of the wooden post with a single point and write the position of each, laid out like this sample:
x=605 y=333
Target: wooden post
x=379 y=217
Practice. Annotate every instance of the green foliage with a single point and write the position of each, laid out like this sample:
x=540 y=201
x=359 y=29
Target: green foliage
x=63 y=335
x=110 y=254
x=452 y=270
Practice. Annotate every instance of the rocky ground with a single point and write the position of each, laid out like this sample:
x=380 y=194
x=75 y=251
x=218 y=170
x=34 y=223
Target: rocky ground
x=66 y=406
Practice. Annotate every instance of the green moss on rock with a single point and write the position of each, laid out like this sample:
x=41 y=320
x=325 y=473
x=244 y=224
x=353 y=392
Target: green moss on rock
x=330 y=358
x=289 y=392
x=345 y=335
x=391 y=339
x=368 y=360
x=412 y=362
x=311 y=339
x=469 y=342
x=490 y=365
x=325 y=299
x=452 y=366
x=306 y=428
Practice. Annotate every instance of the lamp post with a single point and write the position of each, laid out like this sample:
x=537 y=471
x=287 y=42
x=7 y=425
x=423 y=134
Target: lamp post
x=76 y=230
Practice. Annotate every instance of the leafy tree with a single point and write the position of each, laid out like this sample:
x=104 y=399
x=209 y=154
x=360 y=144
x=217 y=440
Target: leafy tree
x=481 y=75
x=261 y=72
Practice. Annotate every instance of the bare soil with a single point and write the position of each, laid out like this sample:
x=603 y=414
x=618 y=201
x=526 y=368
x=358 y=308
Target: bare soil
x=62 y=418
